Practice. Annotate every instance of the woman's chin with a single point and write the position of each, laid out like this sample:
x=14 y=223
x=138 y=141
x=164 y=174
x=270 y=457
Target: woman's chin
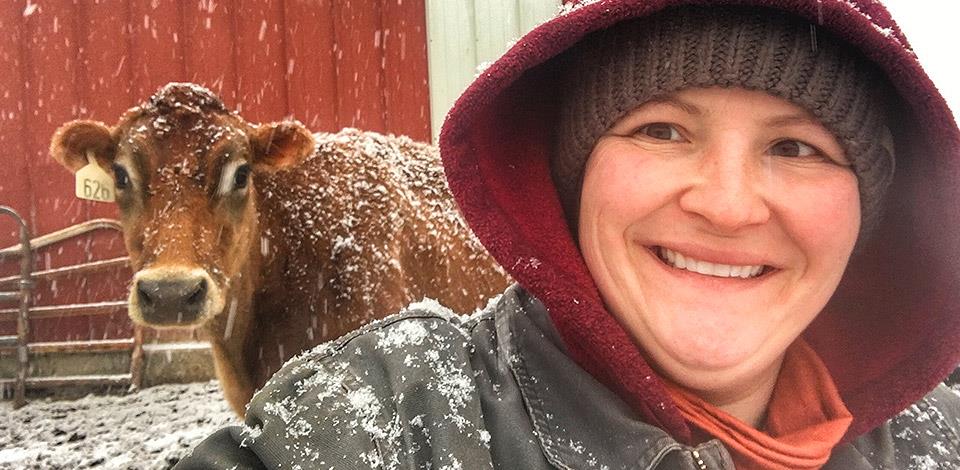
x=711 y=359
x=708 y=361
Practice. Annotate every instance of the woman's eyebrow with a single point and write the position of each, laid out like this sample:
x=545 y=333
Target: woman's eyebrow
x=792 y=119
x=675 y=102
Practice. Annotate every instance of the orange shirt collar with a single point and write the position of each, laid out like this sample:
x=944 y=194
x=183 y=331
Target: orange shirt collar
x=805 y=418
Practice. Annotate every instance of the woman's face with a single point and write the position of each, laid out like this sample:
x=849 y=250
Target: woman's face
x=717 y=223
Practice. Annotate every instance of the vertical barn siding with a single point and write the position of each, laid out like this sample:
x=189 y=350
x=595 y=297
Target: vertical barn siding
x=314 y=82
x=208 y=29
x=52 y=59
x=15 y=180
x=452 y=45
x=406 y=90
x=464 y=35
x=100 y=69
x=328 y=63
x=534 y=12
x=358 y=32
x=260 y=60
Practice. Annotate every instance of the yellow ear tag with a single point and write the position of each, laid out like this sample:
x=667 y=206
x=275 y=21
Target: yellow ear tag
x=93 y=183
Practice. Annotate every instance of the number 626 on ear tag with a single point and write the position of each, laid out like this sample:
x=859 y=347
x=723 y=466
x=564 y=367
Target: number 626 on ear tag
x=93 y=183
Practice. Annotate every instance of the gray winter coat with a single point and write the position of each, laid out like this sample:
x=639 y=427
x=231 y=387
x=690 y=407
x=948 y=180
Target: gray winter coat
x=426 y=389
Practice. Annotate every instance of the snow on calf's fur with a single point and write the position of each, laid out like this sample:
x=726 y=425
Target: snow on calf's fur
x=270 y=239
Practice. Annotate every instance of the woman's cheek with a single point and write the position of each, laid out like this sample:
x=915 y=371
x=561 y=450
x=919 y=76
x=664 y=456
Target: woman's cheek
x=824 y=213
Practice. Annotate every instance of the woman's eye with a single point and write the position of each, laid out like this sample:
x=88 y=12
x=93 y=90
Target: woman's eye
x=793 y=148
x=241 y=176
x=661 y=131
x=121 y=176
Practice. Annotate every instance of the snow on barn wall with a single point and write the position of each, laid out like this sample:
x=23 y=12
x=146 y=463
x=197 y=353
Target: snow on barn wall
x=465 y=35
x=328 y=63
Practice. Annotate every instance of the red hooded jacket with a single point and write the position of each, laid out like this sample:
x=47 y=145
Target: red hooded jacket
x=890 y=333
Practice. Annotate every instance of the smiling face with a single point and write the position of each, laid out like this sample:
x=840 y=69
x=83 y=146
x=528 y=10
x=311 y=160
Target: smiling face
x=716 y=224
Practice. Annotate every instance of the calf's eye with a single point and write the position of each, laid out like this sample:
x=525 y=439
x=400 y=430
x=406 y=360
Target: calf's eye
x=241 y=176
x=121 y=176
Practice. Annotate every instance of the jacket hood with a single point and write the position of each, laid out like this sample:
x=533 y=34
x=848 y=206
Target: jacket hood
x=890 y=332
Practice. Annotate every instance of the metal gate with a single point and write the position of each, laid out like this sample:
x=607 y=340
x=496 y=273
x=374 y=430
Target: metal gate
x=21 y=293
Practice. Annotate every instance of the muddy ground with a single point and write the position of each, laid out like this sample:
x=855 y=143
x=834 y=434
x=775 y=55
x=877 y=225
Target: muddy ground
x=151 y=429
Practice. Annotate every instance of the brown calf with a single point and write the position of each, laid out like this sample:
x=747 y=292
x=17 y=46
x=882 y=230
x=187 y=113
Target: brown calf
x=271 y=240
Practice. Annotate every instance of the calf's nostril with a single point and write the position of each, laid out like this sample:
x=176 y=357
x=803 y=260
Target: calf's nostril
x=144 y=295
x=198 y=293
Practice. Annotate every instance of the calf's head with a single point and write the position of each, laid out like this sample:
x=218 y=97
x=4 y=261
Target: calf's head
x=185 y=170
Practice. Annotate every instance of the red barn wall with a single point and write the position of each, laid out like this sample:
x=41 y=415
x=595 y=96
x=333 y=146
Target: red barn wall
x=328 y=63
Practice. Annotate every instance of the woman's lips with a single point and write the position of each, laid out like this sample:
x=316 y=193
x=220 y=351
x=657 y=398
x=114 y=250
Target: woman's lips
x=679 y=260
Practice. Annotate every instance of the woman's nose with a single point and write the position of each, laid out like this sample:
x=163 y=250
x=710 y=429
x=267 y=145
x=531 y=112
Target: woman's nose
x=726 y=191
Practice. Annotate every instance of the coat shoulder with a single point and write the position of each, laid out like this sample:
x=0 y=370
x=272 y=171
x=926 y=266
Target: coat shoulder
x=929 y=430
x=383 y=396
x=926 y=435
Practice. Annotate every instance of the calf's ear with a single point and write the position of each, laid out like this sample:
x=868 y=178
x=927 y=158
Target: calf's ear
x=281 y=144
x=75 y=139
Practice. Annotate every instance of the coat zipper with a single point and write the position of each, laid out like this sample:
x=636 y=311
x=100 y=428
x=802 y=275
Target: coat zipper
x=696 y=458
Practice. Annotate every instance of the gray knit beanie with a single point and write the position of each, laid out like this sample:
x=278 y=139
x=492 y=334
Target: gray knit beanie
x=613 y=71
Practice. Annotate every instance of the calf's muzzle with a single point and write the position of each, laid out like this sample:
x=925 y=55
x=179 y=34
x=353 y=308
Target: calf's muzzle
x=171 y=301
x=173 y=297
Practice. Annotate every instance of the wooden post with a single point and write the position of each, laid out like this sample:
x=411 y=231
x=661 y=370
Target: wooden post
x=23 y=322
x=136 y=359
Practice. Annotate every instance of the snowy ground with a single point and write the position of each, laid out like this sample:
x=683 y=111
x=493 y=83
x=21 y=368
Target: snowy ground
x=151 y=429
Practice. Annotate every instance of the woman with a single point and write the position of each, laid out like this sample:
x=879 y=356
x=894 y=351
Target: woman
x=718 y=266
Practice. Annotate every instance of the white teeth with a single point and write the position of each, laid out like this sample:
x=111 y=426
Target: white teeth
x=671 y=256
x=710 y=269
x=723 y=270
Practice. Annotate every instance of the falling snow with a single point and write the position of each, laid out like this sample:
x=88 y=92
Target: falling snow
x=30 y=8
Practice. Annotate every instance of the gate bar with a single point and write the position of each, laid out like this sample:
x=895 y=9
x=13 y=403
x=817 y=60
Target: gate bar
x=23 y=322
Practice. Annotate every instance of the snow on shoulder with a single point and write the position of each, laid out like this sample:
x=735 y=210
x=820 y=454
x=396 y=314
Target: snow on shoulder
x=405 y=378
